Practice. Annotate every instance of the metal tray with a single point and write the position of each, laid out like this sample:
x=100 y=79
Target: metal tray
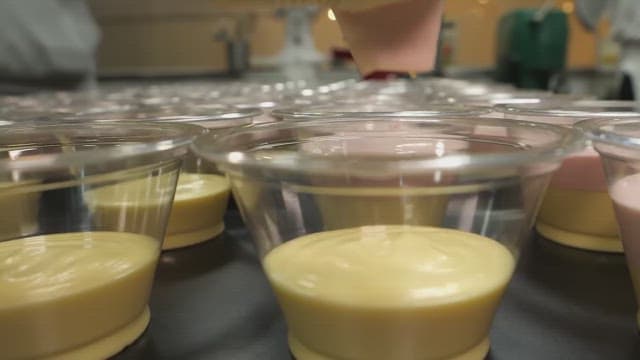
x=212 y=301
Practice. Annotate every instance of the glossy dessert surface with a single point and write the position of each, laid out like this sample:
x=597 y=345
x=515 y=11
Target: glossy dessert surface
x=380 y=292
x=65 y=291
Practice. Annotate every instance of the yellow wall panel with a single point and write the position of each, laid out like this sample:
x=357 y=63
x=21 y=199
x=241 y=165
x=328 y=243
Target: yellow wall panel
x=158 y=34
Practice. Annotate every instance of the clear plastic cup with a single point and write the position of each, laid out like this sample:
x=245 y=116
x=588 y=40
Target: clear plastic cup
x=58 y=105
x=84 y=208
x=211 y=116
x=618 y=142
x=567 y=113
x=577 y=210
x=515 y=98
x=264 y=102
x=416 y=268
x=202 y=194
x=469 y=89
x=379 y=109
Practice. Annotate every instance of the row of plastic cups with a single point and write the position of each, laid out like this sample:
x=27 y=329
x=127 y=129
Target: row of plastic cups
x=583 y=212
x=576 y=210
x=121 y=100
x=202 y=194
x=88 y=204
x=393 y=108
x=164 y=101
x=349 y=215
x=354 y=219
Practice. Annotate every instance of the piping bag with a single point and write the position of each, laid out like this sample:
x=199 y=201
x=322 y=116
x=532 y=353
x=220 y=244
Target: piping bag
x=399 y=37
x=384 y=36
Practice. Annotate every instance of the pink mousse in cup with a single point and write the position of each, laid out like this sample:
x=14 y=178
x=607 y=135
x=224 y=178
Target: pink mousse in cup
x=576 y=210
x=618 y=142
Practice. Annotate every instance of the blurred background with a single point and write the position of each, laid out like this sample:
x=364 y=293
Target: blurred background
x=528 y=43
x=152 y=36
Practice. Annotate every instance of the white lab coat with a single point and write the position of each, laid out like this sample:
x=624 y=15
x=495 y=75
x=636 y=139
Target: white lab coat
x=46 y=38
x=625 y=22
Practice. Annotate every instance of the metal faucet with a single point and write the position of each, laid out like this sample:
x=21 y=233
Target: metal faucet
x=237 y=43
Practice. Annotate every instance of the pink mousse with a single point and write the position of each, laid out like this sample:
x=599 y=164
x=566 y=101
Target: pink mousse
x=395 y=37
x=626 y=200
x=582 y=171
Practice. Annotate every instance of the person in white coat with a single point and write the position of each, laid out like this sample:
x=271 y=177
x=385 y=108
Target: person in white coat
x=625 y=21
x=46 y=43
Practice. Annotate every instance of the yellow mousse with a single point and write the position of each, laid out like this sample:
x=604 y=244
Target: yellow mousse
x=196 y=214
x=74 y=293
x=579 y=218
x=352 y=207
x=198 y=209
x=19 y=209
x=389 y=292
